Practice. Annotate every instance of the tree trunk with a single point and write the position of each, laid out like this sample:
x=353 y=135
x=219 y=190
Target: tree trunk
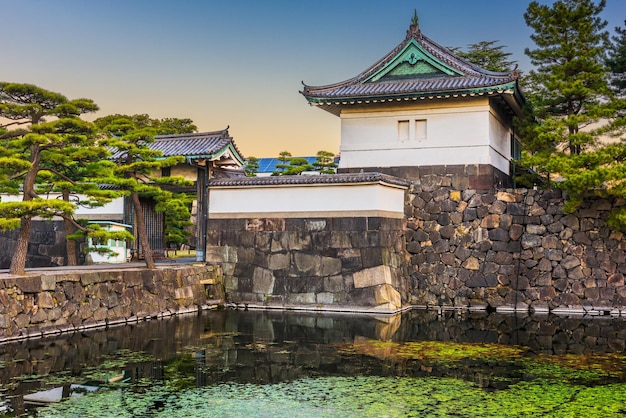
x=18 y=262
x=142 y=234
x=70 y=244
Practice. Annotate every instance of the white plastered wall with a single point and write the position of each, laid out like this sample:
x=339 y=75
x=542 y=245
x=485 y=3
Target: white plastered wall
x=311 y=200
x=457 y=132
x=113 y=210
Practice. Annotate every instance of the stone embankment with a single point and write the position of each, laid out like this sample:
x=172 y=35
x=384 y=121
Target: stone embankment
x=513 y=249
x=54 y=302
x=349 y=264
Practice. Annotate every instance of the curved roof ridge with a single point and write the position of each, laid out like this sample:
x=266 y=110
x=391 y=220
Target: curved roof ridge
x=222 y=132
x=437 y=51
x=366 y=177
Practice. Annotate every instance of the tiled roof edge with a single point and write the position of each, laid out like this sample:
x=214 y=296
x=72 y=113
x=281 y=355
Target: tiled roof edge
x=310 y=180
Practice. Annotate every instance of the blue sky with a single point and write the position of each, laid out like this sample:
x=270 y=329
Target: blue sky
x=237 y=62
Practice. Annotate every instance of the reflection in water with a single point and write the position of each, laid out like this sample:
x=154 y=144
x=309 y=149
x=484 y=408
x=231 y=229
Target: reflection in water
x=270 y=347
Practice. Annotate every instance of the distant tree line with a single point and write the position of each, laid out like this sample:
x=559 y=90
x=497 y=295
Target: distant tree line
x=292 y=166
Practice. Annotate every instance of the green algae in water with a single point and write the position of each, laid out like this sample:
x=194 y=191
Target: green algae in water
x=360 y=396
x=553 y=386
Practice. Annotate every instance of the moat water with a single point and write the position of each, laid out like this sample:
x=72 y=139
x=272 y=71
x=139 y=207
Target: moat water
x=286 y=364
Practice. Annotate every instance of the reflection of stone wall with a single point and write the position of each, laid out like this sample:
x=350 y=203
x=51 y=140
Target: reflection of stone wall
x=66 y=301
x=512 y=248
x=321 y=262
x=276 y=346
x=46 y=246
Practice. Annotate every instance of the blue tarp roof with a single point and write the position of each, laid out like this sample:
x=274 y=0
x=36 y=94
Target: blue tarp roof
x=268 y=165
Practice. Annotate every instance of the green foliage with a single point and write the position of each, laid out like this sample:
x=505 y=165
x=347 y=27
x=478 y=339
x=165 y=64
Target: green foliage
x=572 y=105
x=281 y=168
x=297 y=166
x=165 y=126
x=293 y=166
x=487 y=55
x=177 y=217
x=52 y=151
x=325 y=162
x=251 y=167
x=137 y=169
x=616 y=61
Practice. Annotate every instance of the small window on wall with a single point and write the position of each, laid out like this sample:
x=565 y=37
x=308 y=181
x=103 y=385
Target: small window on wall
x=420 y=129
x=403 y=130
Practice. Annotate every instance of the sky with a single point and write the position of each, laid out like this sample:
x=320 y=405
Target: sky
x=237 y=63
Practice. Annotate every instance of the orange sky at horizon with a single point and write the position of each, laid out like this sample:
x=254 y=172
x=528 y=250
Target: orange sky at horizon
x=239 y=63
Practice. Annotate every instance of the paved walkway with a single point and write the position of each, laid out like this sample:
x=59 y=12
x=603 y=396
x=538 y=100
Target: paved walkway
x=105 y=266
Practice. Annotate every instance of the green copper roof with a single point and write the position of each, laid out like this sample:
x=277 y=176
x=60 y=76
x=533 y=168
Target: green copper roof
x=417 y=68
x=412 y=62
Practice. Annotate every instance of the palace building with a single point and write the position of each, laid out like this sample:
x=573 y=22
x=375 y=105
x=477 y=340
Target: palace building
x=423 y=110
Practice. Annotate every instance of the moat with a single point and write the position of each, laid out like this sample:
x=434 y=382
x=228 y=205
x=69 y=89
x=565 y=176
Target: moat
x=276 y=363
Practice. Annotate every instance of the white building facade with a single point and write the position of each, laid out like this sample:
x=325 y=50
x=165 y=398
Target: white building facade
x=422 y=106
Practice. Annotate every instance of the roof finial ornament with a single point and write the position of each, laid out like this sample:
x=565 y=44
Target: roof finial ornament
x=415 y=20
x=515 y=73
x=414 y=28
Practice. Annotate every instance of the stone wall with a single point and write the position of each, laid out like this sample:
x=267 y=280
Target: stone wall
x=459 y=177
x=512 y=249
x=51 y=303
x=46 y=246
x=321 y=263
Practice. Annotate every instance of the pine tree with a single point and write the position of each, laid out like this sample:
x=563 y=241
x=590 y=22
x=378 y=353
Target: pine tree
x=43 y=156
x=572 y=104
x=325 y=162
x=616 y=62
x=281 y=168
x=487 y=55
x=297 y=166
x=251 y=167
x=134 y=172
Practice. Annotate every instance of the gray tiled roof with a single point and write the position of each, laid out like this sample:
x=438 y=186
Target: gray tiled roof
x=308 y=180
x=469 y=79
x=193 y=145
x=202 y=145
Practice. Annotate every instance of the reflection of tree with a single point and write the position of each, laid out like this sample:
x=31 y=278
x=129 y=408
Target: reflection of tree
x=180 y=372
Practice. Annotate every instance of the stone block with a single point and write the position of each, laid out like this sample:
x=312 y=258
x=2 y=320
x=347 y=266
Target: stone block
x=518 y=209
x=616 y=280
x=490 y=221
x=499 y=234
x=333 y=284
x=216 y=254
x=386 y=294
x=471 y=263
x=45 y=300
x=262 y=281
x=48 y=282
x=278 y=261
x=506 y=197
x=340 y=239
x=530 y=241
x=301 y=298
x=373 y=276
x=535 y=229
x=307 y=264
x=570 y=262
x=29 y=284
x=330 y=266
x=325 y=298
x=183 y=293
x=371 y=257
